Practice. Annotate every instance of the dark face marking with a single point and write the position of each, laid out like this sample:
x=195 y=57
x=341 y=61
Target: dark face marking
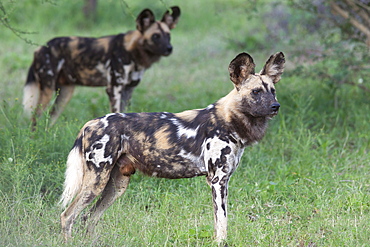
x=260 y=102
x=265 y=85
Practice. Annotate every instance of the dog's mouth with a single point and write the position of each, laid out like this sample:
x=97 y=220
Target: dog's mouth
x=167 y=53
x=269 y=114
x=273 y=114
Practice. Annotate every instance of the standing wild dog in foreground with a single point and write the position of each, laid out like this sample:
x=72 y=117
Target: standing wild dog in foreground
x=117 y=62
x=204 y=142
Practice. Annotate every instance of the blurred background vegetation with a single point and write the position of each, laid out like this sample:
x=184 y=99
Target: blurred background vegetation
x=305 y=184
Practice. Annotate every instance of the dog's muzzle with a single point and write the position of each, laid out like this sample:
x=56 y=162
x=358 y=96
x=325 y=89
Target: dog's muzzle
x=168 y=50
x=275 y=107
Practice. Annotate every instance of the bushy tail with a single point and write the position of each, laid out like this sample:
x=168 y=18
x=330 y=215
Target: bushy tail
x=74 y=174
x=31 y=93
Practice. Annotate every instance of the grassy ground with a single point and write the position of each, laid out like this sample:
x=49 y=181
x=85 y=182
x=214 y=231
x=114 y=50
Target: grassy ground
x=305 y=184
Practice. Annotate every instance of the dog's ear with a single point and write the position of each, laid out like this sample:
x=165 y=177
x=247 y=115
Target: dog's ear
x=274 y=67
x=144 y=20
x=240 y=68
x=172 y=18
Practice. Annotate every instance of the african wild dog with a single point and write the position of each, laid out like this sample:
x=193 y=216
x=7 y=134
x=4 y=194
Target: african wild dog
x=117 y=62
x=204 y=142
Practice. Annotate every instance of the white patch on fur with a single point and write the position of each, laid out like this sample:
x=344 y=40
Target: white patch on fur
x=105 y=121
x=181 y=130
x=189 y=133
x=124 y=78
x=109 y=77
x=194 y=159
x=31 y=95
x=60 y=64
x=102 y=69
x=117 y=96
x=137 y=75
x=50 y=72
x=163 y=115
x=214 y=153
x=210 y=106
x=98 y=154
x=71 y=78
x=74 y=176
x=125 y=137
x=216 y=145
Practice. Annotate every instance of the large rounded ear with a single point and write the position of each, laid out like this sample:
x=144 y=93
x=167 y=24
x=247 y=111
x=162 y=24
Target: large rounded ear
x=274 y=67
x=144 y=20
x=172 y=18
x=240 y=68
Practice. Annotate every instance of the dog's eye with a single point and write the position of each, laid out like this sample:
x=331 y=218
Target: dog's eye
x=256 y=91
x=155 y=36
x=273 y=90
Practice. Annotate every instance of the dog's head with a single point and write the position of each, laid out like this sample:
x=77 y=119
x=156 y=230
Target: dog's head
x=256 y=91
x=156 y=34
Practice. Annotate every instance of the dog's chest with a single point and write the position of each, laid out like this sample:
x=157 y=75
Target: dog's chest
x=221 y=152
x=104 y=74
x=124 y=74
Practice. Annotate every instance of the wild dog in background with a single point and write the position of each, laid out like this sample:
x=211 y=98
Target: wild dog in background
x=117 y=62
x=205 y=142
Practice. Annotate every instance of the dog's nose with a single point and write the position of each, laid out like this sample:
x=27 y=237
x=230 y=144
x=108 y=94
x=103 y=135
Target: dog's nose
x=275 y=106
x=169 y=48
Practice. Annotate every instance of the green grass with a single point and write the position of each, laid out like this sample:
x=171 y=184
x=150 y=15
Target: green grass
x=305 y=184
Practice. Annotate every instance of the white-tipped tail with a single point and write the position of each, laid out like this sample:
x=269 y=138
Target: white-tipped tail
x=31 y=95
x=74 y=176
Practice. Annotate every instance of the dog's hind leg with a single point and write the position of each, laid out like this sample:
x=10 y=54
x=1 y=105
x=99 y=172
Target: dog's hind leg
x=40 y=84
x=31 y=93
x=63 y=97
x=92 y=186
x=116 y=186
x=46 y=94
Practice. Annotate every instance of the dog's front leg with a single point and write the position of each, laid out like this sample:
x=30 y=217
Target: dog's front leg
x=115 y=96
x=219 y=184
x=126 y=94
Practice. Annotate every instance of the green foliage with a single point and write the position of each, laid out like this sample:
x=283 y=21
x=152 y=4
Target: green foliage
x=344 y=49
x=305 y=184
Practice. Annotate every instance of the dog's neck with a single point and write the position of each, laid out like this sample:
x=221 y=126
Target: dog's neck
x=143 y=57
x=250 y=129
